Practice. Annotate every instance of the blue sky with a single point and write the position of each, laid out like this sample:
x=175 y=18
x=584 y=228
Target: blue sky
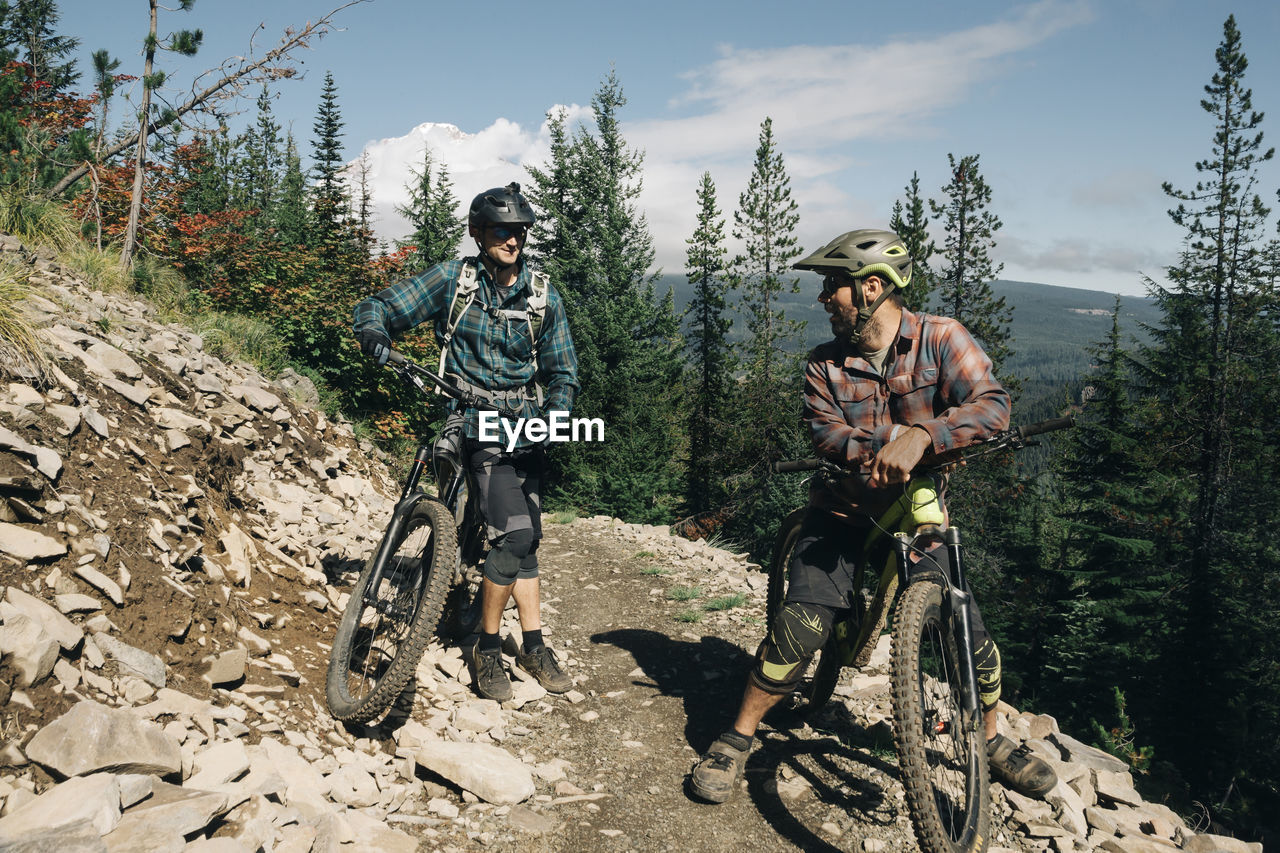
x=1078 y=109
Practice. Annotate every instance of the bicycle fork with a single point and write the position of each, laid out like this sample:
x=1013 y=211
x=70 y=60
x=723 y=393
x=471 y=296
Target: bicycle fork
x=957 y=612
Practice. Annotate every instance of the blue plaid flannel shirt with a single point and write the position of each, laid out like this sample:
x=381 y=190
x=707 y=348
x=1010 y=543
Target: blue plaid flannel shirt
x=488 y=349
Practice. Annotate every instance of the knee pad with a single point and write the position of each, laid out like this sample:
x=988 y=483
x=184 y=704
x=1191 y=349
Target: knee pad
x=506 y=554
x=986 y=660
x=798 y=632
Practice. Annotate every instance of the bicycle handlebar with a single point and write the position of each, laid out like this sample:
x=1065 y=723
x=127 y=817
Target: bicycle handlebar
x=415 y=372
x=1051 y=425
x=795 y=465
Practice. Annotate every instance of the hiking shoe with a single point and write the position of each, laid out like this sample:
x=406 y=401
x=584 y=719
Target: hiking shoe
x=490 y=678
x=541 y=663
x=717 y=774
x=1017 y=768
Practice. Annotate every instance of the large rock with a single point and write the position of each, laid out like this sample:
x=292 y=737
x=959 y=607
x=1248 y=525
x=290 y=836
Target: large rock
x=95 y=799
x=78 y=837
x=306 y=787
x=1219 y=844
x=169 y=813
x=221 y=763
x=492 y=774
x=29 y=649
x=373 y=836
x=47 y=461
x=1091 y=757
x=92 y=737
x=240 y=555
x=167 y=418
x=58 y=626
x=27 y=544
x=132 y=660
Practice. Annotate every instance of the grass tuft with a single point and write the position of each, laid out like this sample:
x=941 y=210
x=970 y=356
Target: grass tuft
x=726 y=602
x=35 y=220
x=564 y=516
x=654 y=570
x=238 y=337
x=684 y=593
x=688 y=616
x=20 y=352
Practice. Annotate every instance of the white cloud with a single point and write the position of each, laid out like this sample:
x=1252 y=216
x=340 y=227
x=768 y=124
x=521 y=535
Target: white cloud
x=1079 y=255
x=821 y=98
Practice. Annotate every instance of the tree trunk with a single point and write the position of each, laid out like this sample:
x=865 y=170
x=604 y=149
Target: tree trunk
x=140 y=160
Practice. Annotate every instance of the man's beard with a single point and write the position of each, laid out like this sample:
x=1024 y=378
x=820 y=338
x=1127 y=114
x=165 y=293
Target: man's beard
x=844 y=325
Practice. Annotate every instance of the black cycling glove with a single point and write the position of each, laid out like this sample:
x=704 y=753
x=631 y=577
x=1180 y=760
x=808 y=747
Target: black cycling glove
x=374 y=344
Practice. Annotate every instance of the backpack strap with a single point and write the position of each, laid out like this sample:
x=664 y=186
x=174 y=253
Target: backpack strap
x=463 y=297
x=539 y=284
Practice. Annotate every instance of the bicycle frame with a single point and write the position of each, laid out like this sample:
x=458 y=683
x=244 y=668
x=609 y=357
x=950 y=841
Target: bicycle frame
x=449 y=482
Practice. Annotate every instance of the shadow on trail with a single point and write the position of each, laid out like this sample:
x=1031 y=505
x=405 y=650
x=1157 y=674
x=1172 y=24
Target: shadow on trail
x=708 y=674
x=839 y=765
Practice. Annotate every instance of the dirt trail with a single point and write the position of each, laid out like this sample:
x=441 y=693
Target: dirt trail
x=659 y=690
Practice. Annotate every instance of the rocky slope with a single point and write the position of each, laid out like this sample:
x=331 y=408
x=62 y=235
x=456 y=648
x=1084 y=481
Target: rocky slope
x=177 y=535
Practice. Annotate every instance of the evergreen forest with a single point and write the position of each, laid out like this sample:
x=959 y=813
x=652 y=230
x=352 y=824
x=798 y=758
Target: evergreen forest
x=1126 y=567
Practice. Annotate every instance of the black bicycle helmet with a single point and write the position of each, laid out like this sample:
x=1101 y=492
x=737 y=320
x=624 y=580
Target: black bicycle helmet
x=867 y=251
x=500 y=206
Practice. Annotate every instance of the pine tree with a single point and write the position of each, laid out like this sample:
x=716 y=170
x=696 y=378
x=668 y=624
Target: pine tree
x=967 y=270
x=432 y=211
x=263 y=163
x=626 y=339
x=710 y=355
x=1109 y=612
x=363 y=238
x=27 y=34
x=292 y=217
x=1204 y=369
x=910 y=221
x=330 y=197
x=766 y=423
x=765 y=222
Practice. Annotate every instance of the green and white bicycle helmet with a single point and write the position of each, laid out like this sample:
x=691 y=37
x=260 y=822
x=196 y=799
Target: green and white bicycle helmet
x=858 y=254
x=867 y=251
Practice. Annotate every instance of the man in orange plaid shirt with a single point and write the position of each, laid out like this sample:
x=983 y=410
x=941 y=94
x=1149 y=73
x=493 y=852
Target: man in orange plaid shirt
x=891 y=386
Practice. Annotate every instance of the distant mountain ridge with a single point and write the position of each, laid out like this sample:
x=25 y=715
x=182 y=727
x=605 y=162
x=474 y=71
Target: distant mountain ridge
x=1053 y=330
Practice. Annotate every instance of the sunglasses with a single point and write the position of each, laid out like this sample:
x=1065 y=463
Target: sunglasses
x=506 y=232
x=834 y=281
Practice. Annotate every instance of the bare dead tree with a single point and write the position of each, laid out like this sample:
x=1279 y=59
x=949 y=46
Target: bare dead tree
x=233 y=75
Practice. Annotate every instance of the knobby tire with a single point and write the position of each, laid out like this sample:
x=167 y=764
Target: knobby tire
x=378 y=646
x=943 y=762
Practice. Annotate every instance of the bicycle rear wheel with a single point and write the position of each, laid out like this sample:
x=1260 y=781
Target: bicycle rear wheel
x=380 y=640
x=819 y=682
x=942 y=758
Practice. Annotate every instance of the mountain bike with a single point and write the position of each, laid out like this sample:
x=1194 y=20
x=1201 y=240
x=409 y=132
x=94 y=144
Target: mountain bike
x=423 y=578
x=938 y=729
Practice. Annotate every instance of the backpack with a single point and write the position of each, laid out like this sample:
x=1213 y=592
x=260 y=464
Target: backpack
x=464 y=297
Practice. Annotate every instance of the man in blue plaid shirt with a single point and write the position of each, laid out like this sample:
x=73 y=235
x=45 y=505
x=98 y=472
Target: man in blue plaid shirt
x=504 y=337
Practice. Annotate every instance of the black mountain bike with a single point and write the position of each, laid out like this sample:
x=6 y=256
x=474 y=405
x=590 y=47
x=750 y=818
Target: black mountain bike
x=938 y=729
x=421 y=581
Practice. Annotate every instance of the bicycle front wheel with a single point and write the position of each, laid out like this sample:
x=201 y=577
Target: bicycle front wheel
x=941 y=756
x=383 y=632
